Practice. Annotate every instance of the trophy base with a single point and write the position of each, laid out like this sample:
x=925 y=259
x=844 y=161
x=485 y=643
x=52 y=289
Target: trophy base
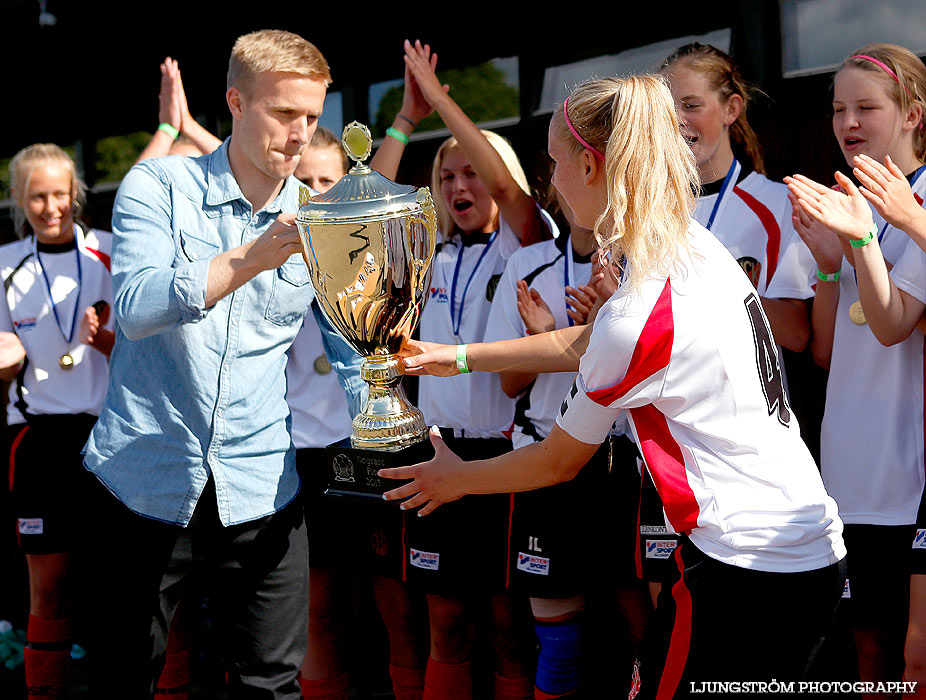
x=352 y=471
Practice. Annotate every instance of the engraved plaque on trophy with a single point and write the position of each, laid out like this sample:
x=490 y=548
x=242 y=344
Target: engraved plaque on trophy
x=368 y=243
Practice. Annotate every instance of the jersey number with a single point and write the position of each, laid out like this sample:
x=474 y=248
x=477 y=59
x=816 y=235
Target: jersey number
x=767 y=362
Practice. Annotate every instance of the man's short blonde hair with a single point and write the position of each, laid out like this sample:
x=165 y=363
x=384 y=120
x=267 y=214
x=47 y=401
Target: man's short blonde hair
x=274 y=51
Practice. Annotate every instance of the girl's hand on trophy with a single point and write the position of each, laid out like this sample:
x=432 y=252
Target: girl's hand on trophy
x=433 y=483
x=421 y=358
x=419 y=61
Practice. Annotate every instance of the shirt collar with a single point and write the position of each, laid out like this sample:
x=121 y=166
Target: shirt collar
x=223 y=187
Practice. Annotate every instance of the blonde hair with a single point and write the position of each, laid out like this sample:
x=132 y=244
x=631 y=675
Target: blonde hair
x=908 y=89
x=502 y=146
x=274 y=51
x=23 y=165
x=724 y=77
x=325 y=138
x=651 y=171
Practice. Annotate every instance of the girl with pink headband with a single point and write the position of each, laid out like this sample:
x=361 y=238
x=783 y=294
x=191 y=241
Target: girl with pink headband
x=871 y=288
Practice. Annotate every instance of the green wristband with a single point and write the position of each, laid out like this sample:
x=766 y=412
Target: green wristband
x=831 y=277
x=169 y=129
x=397 y=135
x=867 y=239
x=461 y=359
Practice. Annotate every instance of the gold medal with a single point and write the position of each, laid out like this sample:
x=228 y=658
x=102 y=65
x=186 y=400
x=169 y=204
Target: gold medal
x=321 y=364
x=856 y=314
x=66 y=362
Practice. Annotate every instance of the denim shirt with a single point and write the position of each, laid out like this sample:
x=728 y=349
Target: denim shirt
x=195 y=391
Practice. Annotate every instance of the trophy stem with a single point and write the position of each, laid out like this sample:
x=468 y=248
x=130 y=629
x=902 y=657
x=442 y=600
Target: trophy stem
x=388 y=420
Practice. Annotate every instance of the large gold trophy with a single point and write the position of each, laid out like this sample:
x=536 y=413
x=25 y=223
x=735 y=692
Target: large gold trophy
x=368 y=243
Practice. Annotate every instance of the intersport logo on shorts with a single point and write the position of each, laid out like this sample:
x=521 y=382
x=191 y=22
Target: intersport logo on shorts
x=919 y=542
x=424 y=560
x=533 y=565
x=660 y=549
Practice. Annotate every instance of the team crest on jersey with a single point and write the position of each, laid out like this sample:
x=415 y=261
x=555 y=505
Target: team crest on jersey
x=533 y=564
x=752 y=268
x=424 y=560
x=31 y=526
x=660 y=549
x=439 y=294
x=24 y=324
x=919 y=542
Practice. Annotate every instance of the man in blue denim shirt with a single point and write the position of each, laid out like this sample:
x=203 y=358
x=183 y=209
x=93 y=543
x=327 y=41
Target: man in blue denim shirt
x=193 y=439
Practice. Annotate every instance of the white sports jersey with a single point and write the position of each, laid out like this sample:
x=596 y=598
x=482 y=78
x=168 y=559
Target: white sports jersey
x=543 y=266
x=690 y=358
x=316 y=400
x=28 y=312
x=753 y=221
x=871 y=443
x=474 y=405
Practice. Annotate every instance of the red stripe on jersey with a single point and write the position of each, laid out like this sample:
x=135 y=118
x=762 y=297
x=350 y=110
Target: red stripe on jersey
x=666 y=465
x=103 y=257
x=919 y=200
x=15 y=446
x=680 y=641
x=770 y=223
x=651 y=353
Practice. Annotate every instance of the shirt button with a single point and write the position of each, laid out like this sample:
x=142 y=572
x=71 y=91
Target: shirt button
x=219 y=413
x=235 y=321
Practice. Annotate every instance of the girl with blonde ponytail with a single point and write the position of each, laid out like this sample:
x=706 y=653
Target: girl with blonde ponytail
x=684 y=350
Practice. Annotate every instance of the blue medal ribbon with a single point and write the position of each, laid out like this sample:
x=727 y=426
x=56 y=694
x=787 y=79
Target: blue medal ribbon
x=729 y=179
x=457 y=318
x=54 y=308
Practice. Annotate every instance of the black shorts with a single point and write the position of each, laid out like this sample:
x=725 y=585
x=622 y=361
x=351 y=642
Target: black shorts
x=346 y=535
x=565 y=537
x=655 y=542
x=879 y=576
x=694 y=641
x=462 y=546
x=48 y=481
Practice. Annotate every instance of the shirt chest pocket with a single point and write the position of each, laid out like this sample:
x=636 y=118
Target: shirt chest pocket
x=195 y=247
x=290 y=293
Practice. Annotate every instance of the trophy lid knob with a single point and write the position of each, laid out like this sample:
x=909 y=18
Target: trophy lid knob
x=357 y=142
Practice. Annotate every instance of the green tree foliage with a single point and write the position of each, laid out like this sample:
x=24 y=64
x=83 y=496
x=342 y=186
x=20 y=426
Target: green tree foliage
x=481 y=91
x=116 y=154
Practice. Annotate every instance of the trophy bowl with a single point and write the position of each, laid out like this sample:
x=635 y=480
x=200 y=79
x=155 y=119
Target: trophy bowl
x=368 y=244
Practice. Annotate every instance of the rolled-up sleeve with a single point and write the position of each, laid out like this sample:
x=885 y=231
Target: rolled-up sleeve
x=153 y=292
x=345 y=361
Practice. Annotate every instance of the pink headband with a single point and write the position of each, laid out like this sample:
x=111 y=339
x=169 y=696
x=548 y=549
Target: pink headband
x=883 y=66
x=575 y=133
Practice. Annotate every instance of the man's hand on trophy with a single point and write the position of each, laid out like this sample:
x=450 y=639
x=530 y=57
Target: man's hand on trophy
x=433 y=483
x=422 y=64
x=420 y=358
x=274 y=247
